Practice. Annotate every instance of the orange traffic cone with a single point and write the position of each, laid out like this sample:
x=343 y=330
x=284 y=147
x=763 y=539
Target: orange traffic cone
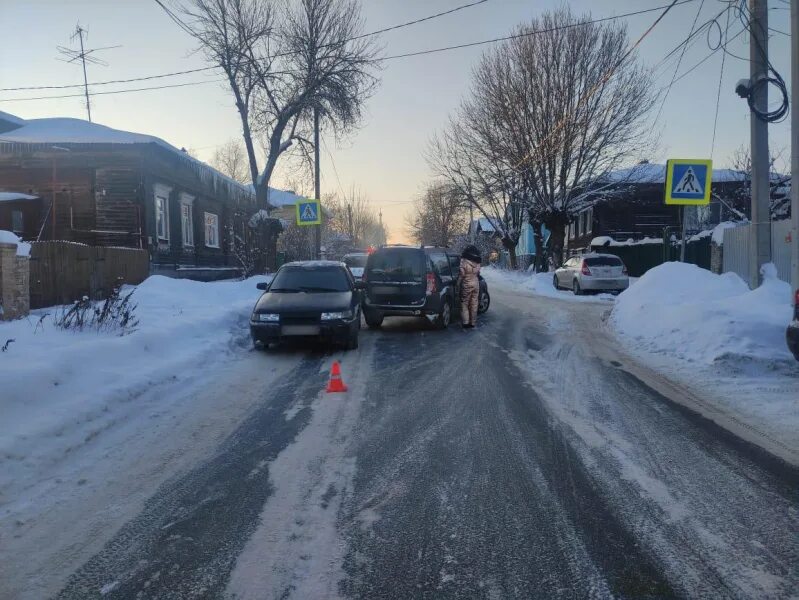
x=335 y=384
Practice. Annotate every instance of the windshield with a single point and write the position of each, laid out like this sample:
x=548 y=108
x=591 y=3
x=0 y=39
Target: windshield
x=397 y=264
x=603 y=261
x=299 y=279
x=355 y=260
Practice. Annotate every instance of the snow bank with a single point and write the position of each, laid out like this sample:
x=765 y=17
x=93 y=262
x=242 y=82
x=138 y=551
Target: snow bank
x=604 y=240
x=15 y=197
x=705 y=317
x=539 y=284
x=23 y=248
x=54 y=380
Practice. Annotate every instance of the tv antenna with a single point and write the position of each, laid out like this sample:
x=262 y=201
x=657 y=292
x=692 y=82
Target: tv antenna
x=84 y=56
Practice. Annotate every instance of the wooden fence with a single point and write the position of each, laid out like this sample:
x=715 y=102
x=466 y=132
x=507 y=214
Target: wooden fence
x=62 y=272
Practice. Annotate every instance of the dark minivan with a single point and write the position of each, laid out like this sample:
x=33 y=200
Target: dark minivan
x=410 y=282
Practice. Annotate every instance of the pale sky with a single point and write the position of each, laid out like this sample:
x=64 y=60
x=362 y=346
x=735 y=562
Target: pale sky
x=385 y=157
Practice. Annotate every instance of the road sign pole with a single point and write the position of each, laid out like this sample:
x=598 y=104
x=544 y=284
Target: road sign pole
x=795 y=144
x=682 y=240
x=760 y=239
x=317 y=183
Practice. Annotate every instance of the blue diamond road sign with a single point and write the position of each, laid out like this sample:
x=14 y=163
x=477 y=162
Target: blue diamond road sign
x=688 y=181
x=309 y=212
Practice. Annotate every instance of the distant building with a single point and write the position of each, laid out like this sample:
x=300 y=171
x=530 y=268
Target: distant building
x=629 y=204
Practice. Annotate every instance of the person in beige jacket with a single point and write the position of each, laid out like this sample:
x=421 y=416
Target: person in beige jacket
x=470 y=286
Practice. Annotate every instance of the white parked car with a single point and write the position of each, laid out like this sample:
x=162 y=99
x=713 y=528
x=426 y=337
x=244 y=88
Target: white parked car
x=592 y=273
x=356 y=262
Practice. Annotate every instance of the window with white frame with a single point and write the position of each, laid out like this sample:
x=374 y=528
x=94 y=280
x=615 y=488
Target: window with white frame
x=589 y=220
x=17 y=222
x=187 y=219
x=161 y=193
x=211 y=230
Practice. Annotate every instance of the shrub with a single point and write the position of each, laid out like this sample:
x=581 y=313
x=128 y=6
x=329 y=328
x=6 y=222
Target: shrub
x=115 y=314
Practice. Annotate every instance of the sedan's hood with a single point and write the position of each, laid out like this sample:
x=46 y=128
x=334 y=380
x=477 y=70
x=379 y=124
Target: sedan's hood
x=285 y=302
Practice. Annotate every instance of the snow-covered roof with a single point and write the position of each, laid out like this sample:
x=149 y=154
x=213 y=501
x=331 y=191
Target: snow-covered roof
x=483 y=224
x=15 y=197
x=655 y=173
x=9 y=118
x=23 y=248
x=69 y=131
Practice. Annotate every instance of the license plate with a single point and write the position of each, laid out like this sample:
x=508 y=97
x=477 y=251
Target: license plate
x=386 y=289
x=289 y=330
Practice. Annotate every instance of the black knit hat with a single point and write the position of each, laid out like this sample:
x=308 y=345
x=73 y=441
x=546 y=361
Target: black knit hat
x=472 y=253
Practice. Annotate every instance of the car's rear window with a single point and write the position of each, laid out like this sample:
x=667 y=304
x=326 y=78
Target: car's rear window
x=317 y=279
x=603 y=261
x=355 y=260
x=396 y=264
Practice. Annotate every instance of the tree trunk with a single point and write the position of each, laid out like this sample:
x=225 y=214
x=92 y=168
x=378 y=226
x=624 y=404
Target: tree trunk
x=510 y=246
x=556 y=223
x=538 y=241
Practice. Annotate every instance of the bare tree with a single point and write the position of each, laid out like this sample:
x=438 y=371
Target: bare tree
x=556 y=107
x=231 y=159
x=353 y=216
x=283 y=61
x=438 y=215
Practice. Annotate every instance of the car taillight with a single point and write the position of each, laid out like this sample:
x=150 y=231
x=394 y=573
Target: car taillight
x=585 y=270
x=431 y=283
x=796 y=305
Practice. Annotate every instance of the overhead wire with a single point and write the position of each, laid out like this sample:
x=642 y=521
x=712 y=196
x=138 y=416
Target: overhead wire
x=679 y=62
x=393 y=57
x=718 y=92
x=185 y=27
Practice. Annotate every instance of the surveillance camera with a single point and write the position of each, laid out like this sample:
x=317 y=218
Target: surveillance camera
x=743 y=87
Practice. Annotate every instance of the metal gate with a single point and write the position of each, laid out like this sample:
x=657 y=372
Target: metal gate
x=736 y=250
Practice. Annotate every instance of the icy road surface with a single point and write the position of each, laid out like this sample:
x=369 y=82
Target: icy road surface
x=526 y=459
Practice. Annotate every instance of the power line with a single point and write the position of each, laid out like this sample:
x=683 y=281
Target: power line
x=210 y=68
x=679 y=62
x=539 y=31
x=143 y=89
x=718 y=92
x=419 y=53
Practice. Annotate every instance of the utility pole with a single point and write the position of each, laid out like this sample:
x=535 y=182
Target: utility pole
x=349 y=222
x=795 y=144
x=317 y=182
x=760 y=231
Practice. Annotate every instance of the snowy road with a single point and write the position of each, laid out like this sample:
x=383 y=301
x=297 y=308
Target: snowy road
x=526 y=459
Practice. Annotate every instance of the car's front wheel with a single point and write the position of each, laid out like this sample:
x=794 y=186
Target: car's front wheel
x=555 y=283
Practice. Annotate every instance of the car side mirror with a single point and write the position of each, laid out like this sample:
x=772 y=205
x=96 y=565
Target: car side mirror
x=263 y=286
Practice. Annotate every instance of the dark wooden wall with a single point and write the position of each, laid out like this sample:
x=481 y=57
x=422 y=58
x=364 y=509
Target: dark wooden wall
x=104 y=195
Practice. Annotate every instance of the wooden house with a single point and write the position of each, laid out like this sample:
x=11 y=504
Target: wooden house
x=106 y=187
x=630 y=204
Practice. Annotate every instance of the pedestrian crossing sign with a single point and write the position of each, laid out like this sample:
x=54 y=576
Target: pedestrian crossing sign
x=688 y=181
x=309 y=212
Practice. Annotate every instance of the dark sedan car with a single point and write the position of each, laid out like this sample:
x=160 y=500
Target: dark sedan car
x=315 y=299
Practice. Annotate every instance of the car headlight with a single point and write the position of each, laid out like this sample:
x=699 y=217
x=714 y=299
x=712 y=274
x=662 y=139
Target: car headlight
x=332 y=316
x=267 y=317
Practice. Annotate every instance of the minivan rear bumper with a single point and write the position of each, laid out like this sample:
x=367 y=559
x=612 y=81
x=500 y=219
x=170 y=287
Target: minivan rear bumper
x=428 y=307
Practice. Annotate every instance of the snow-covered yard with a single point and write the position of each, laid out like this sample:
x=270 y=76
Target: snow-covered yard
x=58 y=386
